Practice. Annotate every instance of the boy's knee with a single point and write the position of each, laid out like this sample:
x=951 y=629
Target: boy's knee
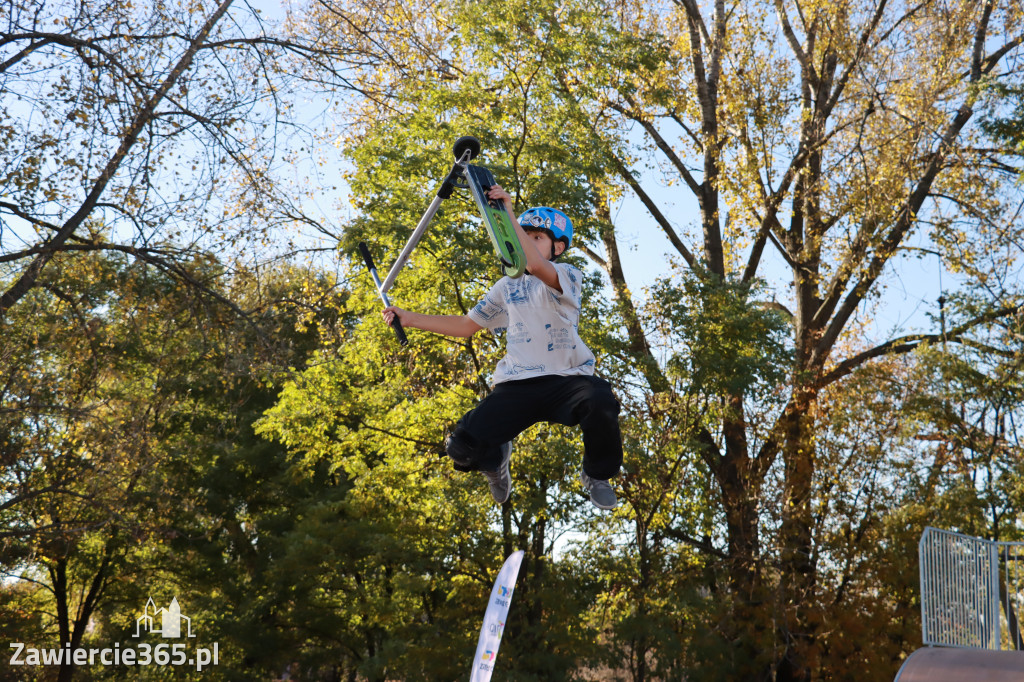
x=463 y=450
x=609 y=404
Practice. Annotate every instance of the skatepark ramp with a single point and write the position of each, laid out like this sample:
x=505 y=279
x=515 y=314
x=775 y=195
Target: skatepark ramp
x=947 y=664
x=971 y=595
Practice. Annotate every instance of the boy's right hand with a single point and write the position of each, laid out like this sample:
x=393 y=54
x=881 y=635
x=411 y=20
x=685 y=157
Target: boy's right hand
x=391 y=312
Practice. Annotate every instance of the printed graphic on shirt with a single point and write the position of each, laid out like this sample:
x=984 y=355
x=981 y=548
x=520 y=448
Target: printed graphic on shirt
x=518 y=333
x=515 y=369
x=518 y=292
x=490 y=313
x=559 y=338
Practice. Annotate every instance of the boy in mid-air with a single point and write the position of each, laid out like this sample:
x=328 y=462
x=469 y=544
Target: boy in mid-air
x=547 y=373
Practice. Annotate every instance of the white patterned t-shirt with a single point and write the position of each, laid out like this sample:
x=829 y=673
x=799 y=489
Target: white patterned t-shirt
x=540 y=325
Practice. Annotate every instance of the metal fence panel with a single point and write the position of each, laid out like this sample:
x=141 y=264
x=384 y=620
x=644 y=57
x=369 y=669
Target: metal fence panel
x=970 y=590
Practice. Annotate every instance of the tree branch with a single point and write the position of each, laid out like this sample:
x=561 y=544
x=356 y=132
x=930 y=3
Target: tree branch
x=703 y=544
x=907 y=344
x=652 y=207
x=662 y=144
x=142 y=118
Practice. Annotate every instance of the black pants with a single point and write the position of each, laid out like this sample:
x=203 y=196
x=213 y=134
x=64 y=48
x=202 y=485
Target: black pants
x=515 y=405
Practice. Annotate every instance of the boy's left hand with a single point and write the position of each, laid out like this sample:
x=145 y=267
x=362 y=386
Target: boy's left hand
x=498 y=193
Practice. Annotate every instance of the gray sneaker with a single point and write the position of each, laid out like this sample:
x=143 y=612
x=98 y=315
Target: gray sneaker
x=500 y=481
x=601 y=493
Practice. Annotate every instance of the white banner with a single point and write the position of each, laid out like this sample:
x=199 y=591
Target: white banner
x=494 y=619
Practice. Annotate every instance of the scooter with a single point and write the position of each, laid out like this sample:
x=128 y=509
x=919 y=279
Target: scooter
x=496 y=220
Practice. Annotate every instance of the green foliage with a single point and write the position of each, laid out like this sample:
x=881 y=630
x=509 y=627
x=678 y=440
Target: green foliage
x=1004 y=120
x=556 y=93
x=728 y=343
x=147 y=464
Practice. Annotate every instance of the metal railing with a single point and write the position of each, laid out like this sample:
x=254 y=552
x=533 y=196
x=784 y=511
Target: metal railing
x=971 y=591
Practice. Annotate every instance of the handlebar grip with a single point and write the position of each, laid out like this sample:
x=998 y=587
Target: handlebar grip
x=396 y=324
x=366 y=255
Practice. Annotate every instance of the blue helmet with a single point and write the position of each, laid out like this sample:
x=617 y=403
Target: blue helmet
x=550 y=219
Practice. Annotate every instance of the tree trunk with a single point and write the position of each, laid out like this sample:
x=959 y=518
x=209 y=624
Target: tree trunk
x=798 y=574
x=740 y=484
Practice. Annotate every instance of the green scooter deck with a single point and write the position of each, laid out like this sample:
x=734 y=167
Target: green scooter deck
x=499 y=227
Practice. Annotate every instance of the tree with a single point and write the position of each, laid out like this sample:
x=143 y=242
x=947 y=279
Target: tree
x=155 y=130
x=969 y=413
x=74 y=447
x=817 y=145
x=80 y=454
x=127 y=413
x=160 y=133
x=410 y=559
x=840 y=236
